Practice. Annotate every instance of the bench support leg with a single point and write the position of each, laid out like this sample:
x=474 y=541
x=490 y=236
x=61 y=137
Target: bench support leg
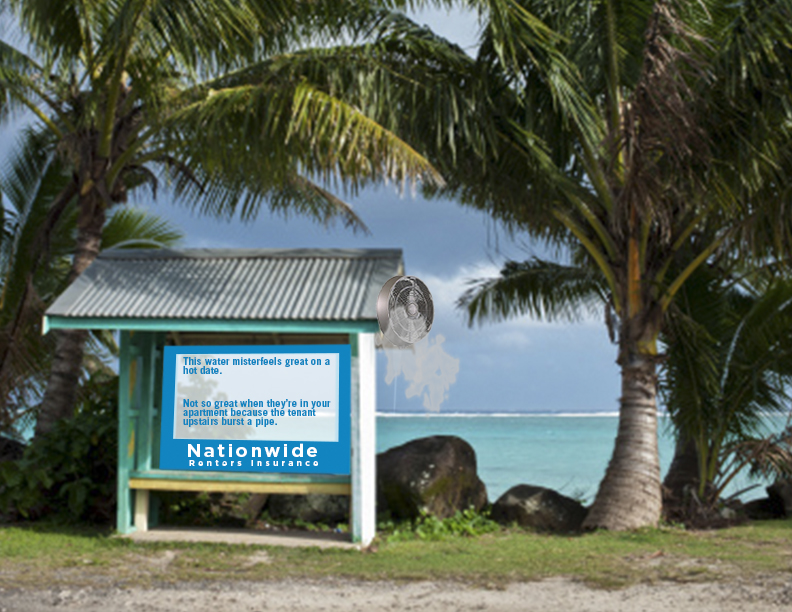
x=141 y=509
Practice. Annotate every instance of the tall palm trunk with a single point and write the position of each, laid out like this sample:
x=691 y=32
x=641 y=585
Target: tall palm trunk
x=629 y=495
x=61 y=392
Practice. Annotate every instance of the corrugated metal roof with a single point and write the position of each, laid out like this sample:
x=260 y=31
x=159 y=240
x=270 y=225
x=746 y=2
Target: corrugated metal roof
x=295 y=284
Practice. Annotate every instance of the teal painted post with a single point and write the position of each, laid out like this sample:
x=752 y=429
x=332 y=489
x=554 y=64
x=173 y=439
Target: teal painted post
x=159 y=345
x=156 y=423
x=143 y=439
x=123 y=511
x=354 y=400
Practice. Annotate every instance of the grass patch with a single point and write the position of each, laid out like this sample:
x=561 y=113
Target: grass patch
x=31 y=555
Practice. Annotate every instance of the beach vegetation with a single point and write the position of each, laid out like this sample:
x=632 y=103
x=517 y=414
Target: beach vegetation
x=727 y=362
x=34 y=269
x=616 y=131
x=69 y=474
x=225 y=102
x=728 y=366
x=467 y=522
x=645 y=140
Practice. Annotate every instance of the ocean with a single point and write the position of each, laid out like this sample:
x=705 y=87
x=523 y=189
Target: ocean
x=568 y=453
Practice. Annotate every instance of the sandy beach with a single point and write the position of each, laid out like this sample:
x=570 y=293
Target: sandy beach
x=772 y=593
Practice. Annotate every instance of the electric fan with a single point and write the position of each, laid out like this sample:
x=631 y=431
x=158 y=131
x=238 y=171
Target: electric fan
x=405 y=310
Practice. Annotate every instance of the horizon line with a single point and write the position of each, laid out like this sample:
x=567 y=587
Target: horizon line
x=502 y=414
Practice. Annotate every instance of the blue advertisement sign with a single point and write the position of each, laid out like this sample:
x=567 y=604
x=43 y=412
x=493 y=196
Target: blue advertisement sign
x=256 y=409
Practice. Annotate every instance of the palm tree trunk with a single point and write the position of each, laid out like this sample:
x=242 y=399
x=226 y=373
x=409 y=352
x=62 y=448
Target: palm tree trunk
x=629 y=495
x=684 y=470
x=61 y=392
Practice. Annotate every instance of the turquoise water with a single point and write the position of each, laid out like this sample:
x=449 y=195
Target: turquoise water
x=565 y=453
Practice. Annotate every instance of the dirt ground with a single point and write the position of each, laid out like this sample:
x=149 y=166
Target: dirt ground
x=554 y=595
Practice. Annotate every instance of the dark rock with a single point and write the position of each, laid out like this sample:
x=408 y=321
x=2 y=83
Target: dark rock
x=764 y=509
x=10 y=450
x=539 y=508
x=781 y=493
x=436 y=475
x=313 y=508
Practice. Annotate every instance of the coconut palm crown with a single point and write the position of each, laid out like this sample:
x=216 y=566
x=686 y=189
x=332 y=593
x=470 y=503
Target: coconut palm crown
x=677 y=155
x=30 y=279
x=216 y=98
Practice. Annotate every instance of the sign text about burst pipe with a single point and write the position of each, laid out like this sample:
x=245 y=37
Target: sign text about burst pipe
x=247 y=396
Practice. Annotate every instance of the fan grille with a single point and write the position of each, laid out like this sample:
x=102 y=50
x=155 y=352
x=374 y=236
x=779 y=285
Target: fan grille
x=411 y=309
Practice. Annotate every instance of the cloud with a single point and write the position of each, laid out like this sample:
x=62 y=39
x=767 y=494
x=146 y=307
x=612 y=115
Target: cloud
x=511 y=339
x=428 y=369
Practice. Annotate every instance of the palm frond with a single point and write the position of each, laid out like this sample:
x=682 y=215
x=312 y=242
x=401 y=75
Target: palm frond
x=729 y=363
x=544 y=290
x=54 y=28
x=303 y=115
x=31 y=181
x=132 y=228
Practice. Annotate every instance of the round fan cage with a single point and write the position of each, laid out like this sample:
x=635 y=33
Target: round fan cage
x=405 y=310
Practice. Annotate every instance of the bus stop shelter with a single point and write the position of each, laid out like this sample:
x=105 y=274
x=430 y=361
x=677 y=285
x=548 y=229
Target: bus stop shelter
x=188 y=297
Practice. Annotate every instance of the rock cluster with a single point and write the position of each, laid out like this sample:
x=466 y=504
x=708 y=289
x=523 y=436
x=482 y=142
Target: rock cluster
x=777 y=504
x=437 y=475
x=539 y=508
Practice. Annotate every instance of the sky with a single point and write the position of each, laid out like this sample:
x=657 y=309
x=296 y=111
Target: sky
x=522 y=365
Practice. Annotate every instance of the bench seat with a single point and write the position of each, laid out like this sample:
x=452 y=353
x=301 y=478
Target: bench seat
x=220 y=482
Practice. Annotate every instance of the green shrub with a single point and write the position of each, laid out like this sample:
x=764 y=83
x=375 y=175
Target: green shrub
x=69 y=474
x=465 y=523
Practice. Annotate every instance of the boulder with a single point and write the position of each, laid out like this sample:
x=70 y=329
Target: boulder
x=764 y=508
x=780 y=492
x=539 y=508
x=312 y=508
x=436 y=475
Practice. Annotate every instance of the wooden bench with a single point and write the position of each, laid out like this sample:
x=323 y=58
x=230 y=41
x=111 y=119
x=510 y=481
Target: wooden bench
x=220 y=482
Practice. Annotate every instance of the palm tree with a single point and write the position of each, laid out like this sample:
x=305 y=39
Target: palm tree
x=215 y=97
x=683 y=128
x=31 y=278
x=729 y=363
